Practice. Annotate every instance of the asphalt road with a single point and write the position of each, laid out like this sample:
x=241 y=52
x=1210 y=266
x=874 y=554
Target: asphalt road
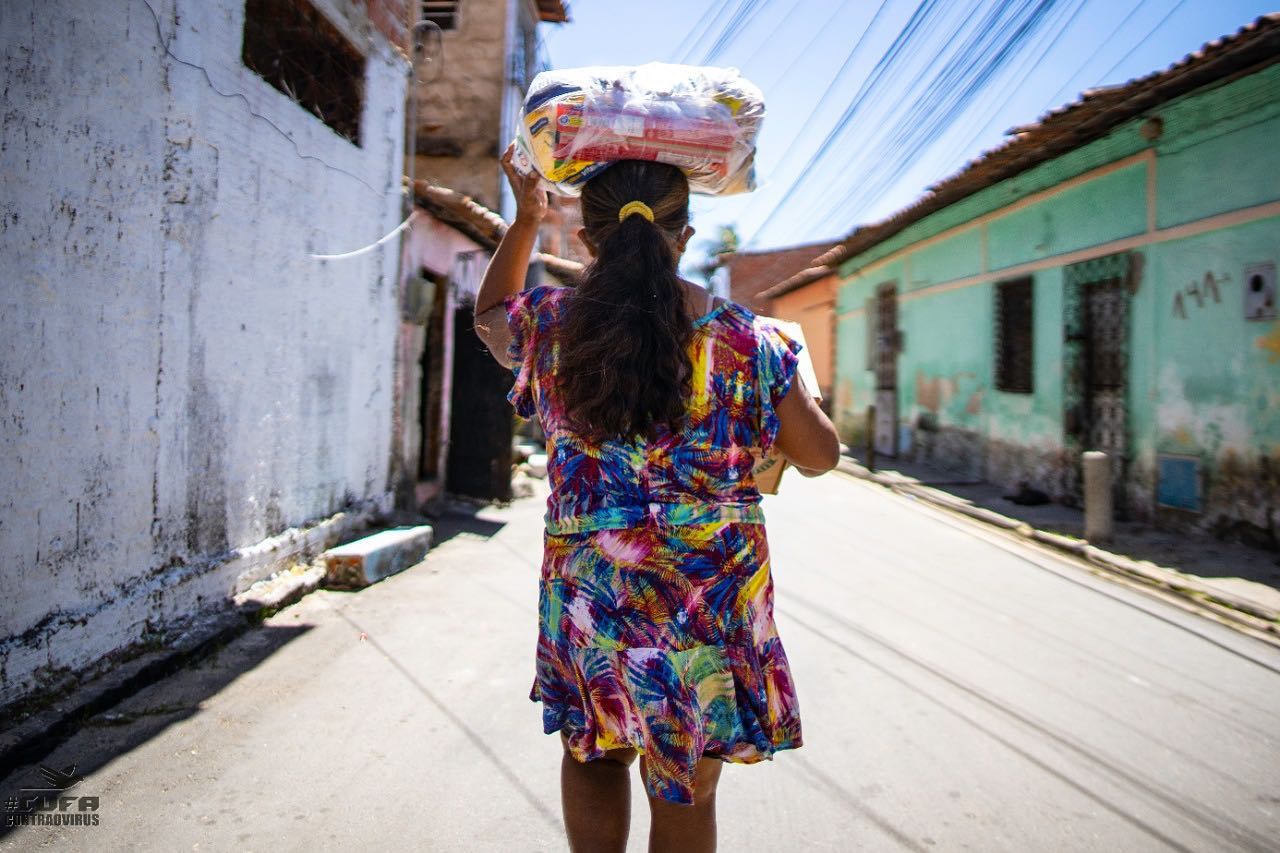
x=959 y=691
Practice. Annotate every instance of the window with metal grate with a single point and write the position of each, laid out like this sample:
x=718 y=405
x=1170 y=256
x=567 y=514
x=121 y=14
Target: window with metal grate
x=1013 y=336
x=442 y=13
x=295 y=48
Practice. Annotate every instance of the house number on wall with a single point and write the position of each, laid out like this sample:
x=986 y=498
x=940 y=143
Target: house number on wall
x=1199 y=292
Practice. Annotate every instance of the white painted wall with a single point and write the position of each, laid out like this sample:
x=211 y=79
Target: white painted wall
x=179 y=381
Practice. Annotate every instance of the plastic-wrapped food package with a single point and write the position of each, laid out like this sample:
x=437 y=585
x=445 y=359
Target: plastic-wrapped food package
x=702 y=119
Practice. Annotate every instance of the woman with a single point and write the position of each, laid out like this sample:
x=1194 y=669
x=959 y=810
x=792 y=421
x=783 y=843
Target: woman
x=656 y=631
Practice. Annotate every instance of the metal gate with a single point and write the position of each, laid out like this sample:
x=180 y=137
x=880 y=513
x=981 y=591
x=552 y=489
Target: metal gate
x=1096 y=367
x=886 y=368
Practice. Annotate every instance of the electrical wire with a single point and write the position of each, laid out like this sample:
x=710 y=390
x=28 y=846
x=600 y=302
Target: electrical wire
x=1140 y=42
x=965 y=74
x=684 y=51
x=768 y=39
x=905 y=37
x=1101 y=46
x=1035 y=56
x=963 y=79
x=731 y=30
x=809 y=120
x=821 y=31
x=364 y=250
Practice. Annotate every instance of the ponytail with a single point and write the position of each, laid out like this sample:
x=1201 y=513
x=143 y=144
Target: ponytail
x=624 y=366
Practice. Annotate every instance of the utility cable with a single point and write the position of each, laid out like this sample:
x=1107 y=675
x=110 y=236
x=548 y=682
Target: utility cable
x=714 y=7
x=822 y=99
x=988 y=47
x=944 y=104
x=364 y=250
x=740 y=19
x=769 y=41
x=905 y=37
x=1014 y=78
x=1140 y=42
x=805 y=51
x=1053 y=99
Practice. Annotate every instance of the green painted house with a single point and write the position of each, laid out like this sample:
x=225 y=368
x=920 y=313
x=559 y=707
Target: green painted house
x=1105 y=280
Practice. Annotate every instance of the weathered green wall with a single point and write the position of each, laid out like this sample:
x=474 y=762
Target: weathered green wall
x=1104 y=209
x=1203 y=381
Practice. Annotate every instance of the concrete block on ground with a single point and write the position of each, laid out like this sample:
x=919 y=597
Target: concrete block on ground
x=369 y=560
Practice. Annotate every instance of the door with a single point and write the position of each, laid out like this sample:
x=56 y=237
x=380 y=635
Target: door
x=1096 y=375
x=886 y=348
x=480 y=429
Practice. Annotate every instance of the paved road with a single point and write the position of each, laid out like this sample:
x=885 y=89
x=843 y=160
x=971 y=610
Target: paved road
x=958 y=691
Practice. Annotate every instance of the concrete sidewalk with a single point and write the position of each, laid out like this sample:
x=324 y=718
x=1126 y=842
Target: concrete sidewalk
x=1229 y=579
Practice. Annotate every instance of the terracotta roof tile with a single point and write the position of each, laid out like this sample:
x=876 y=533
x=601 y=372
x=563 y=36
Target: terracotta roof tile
x=481 y=224
x=553 y=11
x=753 y=273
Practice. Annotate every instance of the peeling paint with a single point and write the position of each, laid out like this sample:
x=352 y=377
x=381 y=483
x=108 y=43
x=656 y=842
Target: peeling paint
x=1270 y=343
x=149 y=445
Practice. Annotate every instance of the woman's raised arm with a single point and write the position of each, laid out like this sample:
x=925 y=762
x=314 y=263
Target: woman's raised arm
x=509 y=266
x=806 y=437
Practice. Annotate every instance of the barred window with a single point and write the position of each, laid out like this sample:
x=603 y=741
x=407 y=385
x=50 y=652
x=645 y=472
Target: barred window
x=1014 y=352
x=297 y=50
x=442 y=13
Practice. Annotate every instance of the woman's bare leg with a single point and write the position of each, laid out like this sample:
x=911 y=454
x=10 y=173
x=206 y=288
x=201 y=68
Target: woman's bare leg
x=679 y=828
x=596 y=798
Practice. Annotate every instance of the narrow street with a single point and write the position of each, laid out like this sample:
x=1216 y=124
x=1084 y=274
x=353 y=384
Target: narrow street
x=959 y=692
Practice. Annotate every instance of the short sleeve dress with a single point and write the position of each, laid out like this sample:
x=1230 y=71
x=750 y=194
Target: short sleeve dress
x=656 y=626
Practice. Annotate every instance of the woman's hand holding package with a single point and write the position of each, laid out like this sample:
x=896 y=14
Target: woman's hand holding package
x=506 y=272
x=531 y=196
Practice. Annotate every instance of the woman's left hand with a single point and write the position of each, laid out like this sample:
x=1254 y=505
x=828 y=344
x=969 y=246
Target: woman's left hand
x=531 y=198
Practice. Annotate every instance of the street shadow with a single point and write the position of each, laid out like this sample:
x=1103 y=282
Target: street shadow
x=462 y=520
x=135 y=711
x=1192 y=553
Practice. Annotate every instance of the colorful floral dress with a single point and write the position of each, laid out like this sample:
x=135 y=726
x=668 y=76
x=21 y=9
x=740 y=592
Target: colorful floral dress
x=656 y=625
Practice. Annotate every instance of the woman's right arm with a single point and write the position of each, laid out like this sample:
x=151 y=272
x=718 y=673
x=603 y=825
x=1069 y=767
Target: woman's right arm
x=806 y=436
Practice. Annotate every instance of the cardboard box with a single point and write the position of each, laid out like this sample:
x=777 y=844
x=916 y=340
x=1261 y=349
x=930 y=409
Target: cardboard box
x=768 y=469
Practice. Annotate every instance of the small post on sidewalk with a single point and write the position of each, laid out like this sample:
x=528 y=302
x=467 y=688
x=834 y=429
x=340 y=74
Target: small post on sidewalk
x=1097 y=496
x=871 y=437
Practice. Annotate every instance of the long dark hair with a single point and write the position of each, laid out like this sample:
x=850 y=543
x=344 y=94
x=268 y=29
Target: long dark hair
x=624 y=367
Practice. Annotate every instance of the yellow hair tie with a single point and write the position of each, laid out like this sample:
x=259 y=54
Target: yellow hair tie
x=635 y=207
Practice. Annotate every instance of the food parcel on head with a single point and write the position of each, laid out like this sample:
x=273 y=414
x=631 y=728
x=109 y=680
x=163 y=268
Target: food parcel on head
x=703 y=120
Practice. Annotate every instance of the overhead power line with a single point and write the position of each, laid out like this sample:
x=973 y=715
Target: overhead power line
x=737 y=22
x=964 y=77
x=1066 y=84
x=905 y=37
x=699 y=30
x=1140 y=42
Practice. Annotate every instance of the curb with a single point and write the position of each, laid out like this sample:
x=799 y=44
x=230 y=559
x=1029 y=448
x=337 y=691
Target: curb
x=1239 y=610
x=46 y=729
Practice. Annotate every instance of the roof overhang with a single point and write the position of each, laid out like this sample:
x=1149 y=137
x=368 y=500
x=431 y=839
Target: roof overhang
x=1095 y=114
x=552 y=11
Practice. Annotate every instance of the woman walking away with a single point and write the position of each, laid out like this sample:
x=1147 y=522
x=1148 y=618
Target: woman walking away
x=656 y=631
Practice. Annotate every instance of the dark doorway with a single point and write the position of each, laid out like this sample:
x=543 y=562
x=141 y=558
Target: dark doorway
x=886 y=346
x=1096 y=369
x=480 y=454
x=431 y=400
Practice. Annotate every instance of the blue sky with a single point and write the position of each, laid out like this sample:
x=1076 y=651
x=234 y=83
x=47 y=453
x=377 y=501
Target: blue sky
x=793 y=50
